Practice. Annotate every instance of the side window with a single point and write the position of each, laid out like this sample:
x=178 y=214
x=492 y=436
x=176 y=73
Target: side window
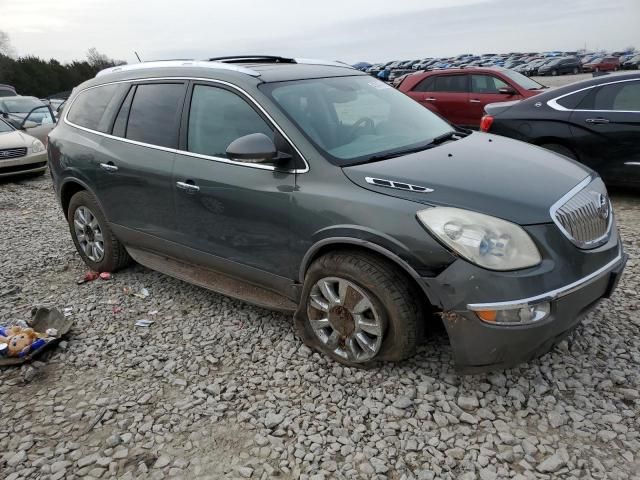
x=90 y=105
x=217 y=117
x=618 y=96
x=155 y=113
x=39 y=116
x=425 y=85
x=486 y=84
x=574 y=100
x=120 y=123
x=450 y=83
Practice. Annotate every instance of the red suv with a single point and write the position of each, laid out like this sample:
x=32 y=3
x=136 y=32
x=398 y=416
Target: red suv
x=604 y=64
x=459 y=95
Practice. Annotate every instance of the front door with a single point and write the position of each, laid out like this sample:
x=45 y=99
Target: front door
x=606 y=125
x=39 y=122
x=235 y=213
x=485 y=90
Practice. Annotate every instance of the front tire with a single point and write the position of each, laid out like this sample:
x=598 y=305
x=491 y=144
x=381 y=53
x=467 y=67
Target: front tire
x=94 y=240
x=554 y=73
x=358 y=308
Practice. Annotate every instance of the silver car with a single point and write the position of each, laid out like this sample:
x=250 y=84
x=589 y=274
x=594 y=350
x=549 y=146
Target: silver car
x=20 y=153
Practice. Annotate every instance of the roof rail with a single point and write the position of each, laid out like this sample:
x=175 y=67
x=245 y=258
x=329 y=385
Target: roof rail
x=331 y=63
x=178 y=63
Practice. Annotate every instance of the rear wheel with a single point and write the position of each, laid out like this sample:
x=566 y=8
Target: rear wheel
x=358 y=308
x=561 y=149
x=554 y=73
x=93 y=238
x=575 y=70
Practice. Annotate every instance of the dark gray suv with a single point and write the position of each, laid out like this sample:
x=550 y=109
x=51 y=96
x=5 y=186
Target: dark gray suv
x=309 y=187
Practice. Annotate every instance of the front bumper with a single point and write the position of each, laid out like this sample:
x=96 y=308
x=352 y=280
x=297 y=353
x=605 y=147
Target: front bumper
x=480 y=346
x=33 y=163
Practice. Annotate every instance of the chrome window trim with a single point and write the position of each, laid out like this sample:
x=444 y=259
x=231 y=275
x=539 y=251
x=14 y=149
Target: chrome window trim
x=553 y=294
x=635 y=164
x=553 y=103
x=184 y=152
x=178 y=63
x=565 y=198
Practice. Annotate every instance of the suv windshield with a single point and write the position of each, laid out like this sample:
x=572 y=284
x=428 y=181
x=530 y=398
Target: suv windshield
x=353 y=119
x=522 y=80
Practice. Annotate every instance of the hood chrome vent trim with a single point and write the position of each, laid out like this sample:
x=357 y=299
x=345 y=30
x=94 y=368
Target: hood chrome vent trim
x=381 y=182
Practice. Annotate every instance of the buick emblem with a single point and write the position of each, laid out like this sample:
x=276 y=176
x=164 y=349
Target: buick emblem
x=603 y=206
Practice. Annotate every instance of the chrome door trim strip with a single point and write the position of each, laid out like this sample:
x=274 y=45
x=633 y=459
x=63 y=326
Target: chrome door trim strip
x=553 y=103
x=183 y=152
x=635 y=164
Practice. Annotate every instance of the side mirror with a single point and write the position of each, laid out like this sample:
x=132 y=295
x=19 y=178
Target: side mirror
x=253 y=148
x=506 y=91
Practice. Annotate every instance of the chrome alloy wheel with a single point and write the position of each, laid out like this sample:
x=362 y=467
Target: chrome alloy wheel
x=345 y=320
x=89 y=234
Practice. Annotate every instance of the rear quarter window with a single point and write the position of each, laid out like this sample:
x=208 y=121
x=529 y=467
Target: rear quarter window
x=89 y=107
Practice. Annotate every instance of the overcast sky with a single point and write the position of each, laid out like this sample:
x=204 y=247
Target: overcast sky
x=349 y=30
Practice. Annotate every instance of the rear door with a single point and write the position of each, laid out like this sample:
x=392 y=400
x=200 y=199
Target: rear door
x=446 y=94
x=606 y=127
x=485 y=90
x=135 y=163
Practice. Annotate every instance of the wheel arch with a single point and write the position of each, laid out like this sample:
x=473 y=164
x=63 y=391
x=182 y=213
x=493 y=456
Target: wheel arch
x=551 y=140
x=69 y=188
x=327 y=245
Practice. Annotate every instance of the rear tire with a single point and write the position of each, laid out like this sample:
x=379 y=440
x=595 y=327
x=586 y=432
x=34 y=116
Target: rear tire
x=554 y=73
x=561 y=149
x=575 y=70
x=391 y=311
x=94 y=240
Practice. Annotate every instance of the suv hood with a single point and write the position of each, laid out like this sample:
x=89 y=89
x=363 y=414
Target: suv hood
x=486 y=173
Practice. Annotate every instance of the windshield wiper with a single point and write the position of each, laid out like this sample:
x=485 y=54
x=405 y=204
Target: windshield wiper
x=436 y=141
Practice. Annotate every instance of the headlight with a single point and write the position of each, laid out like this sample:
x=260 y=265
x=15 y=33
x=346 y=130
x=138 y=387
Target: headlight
x=37 y=146
x=484 y=240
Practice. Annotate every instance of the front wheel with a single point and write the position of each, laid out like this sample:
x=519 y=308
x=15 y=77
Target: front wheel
x=575 y=71
x=94 y=240
x=358 y=308
x=554 y=73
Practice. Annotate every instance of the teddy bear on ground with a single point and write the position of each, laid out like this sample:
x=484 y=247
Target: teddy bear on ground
x=20 y=341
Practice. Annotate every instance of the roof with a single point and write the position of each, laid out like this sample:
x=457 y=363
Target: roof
x=264 y=68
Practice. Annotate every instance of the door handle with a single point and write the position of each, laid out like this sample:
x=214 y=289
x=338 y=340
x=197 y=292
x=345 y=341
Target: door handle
x=109 y=167
x=597 y=120
x=188 y=187
x=430 y=99
x=474 y=100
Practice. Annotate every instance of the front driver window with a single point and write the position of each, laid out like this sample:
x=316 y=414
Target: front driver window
x=486 y=84
x=217 y=117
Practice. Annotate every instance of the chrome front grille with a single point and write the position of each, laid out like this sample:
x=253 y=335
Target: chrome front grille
x=12 y=153
x=585 y=214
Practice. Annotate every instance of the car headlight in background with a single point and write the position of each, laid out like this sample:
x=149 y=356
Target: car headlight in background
x=486 y=241
x=37 y=146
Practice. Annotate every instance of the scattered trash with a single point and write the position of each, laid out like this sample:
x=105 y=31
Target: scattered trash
x=90 y=276
x=67 y=311
x=21 y=341
x=153 y=312
x=144 y=323
x=143 y=293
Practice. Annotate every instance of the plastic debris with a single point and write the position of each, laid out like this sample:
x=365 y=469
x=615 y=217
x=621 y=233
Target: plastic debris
x=143 y=293
x=90 y=276
x=143 y=322
x=105 y=276
x=67 y=311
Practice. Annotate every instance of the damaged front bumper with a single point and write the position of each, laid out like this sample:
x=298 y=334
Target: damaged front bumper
x=481 y=346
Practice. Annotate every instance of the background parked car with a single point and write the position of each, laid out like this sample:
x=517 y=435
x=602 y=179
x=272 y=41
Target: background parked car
x=29 y=114
x=7 y=91
x=19 y=152
x=632 y=64
x=604 y=64
x=459 y=95
x=560 y=66
x=596 y=122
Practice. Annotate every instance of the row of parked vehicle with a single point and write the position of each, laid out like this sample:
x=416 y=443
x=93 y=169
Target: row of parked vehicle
x=25 y=123
x=532 y=63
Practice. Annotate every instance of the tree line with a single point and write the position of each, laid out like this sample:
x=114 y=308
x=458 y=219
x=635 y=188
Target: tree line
x=31 y=75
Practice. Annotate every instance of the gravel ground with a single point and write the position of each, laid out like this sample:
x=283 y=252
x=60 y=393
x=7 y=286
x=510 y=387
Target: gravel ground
x=219 y=389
